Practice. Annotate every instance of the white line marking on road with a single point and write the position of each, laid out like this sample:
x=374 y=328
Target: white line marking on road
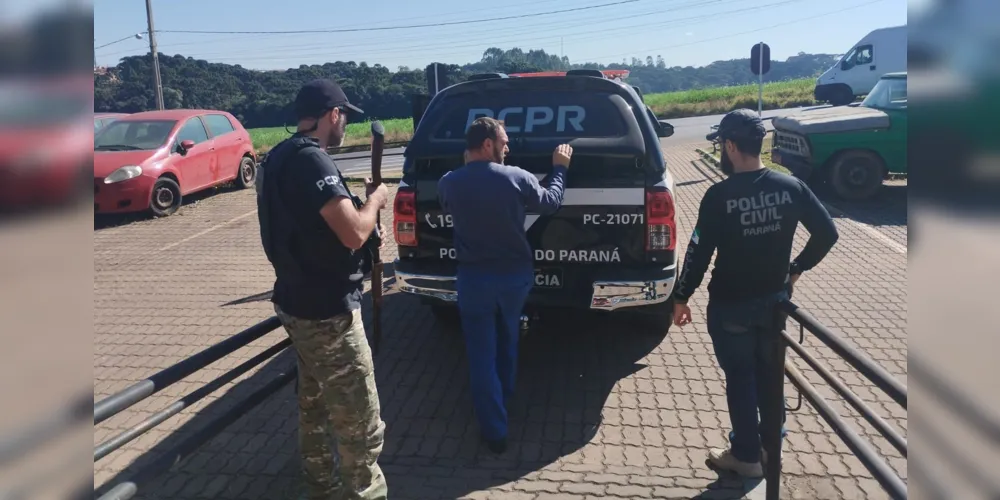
x=867 y=228
x=209 y=230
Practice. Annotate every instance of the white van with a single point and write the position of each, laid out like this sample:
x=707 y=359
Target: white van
x=879 y=52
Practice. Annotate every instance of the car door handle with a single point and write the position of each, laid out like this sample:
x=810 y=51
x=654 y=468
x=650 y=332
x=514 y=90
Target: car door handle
x=872 y=67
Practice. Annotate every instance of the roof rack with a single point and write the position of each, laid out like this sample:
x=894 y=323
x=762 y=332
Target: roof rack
x=488 y=76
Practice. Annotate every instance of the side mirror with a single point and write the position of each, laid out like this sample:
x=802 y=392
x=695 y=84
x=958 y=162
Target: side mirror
x=665 y=129
x=186 y=145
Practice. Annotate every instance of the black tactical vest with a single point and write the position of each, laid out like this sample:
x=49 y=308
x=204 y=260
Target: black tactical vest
x=301 y=255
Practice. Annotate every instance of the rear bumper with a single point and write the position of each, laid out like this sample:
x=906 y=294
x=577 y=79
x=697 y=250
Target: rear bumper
x=603 y=289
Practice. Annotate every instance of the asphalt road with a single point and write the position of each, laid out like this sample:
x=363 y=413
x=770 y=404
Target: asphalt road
x=686 y=130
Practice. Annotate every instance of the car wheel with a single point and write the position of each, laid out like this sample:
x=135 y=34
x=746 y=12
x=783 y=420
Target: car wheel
x=842 y=96
x=857 y=175
x=166 y=198
x=248 y=173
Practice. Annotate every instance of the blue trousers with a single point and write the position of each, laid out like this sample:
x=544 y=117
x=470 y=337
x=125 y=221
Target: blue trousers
x=490 y=306
x=740 y=333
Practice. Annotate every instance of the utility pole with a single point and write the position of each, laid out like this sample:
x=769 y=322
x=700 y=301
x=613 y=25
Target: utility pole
x=157 y=84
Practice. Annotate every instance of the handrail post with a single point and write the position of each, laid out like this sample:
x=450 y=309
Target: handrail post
x=772 y=408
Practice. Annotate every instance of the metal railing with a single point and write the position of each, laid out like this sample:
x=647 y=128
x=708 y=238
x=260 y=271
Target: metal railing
x=771 y=421
x=126 y=398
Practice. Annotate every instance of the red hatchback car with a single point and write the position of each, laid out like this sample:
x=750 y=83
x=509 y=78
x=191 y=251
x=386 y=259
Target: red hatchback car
x=150 y=160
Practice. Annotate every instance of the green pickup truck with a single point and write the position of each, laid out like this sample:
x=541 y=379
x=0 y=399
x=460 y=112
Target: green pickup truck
x=853 y=148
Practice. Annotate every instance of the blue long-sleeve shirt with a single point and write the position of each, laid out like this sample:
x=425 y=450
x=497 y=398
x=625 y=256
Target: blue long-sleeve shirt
x=488 y=203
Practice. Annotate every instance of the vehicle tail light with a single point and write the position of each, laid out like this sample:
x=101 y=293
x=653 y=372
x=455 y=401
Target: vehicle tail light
x=404 y=213
x=661 y=223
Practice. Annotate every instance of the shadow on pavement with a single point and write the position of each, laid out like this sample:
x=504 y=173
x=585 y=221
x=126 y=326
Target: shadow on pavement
x=729 y=487
x=569 y=365
x=107 y=221
x=887 y=208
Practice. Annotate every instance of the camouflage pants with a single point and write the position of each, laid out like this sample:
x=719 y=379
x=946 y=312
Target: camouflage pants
x=337 y=395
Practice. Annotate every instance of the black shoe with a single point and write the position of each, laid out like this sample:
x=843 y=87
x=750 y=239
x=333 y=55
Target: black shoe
x=497 y=446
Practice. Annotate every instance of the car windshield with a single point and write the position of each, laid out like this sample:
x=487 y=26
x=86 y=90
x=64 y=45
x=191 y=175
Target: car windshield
x=133 y=135
x=889 y=93
x=26 y=108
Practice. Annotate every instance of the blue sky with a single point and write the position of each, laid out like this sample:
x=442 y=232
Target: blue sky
x=684 y=32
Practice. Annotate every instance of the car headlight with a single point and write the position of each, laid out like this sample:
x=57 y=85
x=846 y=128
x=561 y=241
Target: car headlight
x=123 y=174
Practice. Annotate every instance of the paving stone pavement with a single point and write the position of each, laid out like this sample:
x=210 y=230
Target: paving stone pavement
x=601 y=411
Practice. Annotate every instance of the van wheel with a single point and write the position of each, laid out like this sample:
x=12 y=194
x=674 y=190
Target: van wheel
x=842 y=96
x=248 y=173
x=166 y=198
x=857 y=175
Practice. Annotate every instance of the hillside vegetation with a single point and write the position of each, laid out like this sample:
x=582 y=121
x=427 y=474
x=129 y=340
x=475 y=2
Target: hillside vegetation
x=665 y=105
x=263 y=98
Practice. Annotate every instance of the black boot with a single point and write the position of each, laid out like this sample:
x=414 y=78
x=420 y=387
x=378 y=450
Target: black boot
x=498 y=446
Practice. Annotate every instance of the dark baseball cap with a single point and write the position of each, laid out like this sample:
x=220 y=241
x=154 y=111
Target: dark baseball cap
x=319 y=96
x=739 y=123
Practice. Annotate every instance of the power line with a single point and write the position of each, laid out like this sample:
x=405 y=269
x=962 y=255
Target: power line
x=385 y=28
x=135 y=35
x=459 y=34
x=589 y=31
x=511 y=36
x=408 y=18
x=551 y=29
x=394 y=41
x=731 y=35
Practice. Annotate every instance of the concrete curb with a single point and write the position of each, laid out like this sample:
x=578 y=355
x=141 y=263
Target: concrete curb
x=707 y=156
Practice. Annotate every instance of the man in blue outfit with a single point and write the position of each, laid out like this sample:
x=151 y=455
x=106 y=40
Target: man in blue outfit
x=487 y=201
x=750 y=218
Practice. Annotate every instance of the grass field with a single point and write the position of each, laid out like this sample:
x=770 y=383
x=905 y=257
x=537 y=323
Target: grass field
x=765 y=155
x=665 y=105
x=396 y=130
x=701 y=102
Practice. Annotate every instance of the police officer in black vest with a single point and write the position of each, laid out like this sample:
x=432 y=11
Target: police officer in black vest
x=317 y=235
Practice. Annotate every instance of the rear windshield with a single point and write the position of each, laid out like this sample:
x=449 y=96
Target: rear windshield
x=537 y=114
x=607 y=168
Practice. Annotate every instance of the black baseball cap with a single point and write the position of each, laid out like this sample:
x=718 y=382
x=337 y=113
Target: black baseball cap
x=321 y=95
x=739 y=123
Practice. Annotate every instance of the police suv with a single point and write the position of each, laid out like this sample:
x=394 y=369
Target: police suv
x=611 y=246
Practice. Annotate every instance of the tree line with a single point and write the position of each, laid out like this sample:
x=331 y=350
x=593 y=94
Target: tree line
x=264 y=98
